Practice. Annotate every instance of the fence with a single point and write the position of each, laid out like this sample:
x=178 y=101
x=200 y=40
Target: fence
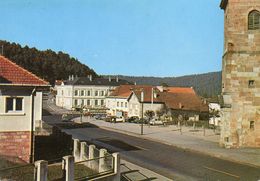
x=98 y=163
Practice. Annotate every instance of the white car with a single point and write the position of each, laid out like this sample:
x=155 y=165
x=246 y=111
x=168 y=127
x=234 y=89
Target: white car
x=214 y=121
x=156 y=122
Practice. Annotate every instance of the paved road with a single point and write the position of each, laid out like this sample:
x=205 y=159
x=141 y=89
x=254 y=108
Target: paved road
x=167 y=160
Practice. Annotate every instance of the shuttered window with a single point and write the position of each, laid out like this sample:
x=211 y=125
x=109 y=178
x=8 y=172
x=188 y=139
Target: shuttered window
x=254 y=20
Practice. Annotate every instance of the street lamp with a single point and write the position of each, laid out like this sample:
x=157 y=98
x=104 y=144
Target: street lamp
x=142 y=116
x=81 y=110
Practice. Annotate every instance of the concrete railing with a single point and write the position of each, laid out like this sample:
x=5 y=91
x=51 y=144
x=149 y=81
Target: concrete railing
x=99 y=161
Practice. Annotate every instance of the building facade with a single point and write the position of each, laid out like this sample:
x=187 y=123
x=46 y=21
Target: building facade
x=20 y=109
x=85 y=91
x=240 y=123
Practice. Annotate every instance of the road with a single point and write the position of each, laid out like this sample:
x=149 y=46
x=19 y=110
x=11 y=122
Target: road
x=169 y=161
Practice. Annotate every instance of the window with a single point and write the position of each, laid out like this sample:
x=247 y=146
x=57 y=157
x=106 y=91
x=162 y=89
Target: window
x=117 y=104
x=96 y=93
x=254 y=20
x=122 y=104
x=76 y=92
x=125 y=104
x=75 y=102
x=252 y=125
x=88 y=102
x=96 y=102
x=14 y=104
x=82 y=93
x=89 y=93
x=102 y=102
x=101 y=93
x=251 y=84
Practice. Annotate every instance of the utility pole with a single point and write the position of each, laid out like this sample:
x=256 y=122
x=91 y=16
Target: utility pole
x=142 y=116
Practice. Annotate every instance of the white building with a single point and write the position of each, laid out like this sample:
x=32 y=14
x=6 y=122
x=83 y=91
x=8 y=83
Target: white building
x=150 y=101
x=20 y=109
x=85 y=91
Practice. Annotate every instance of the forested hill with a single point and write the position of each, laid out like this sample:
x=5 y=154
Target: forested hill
x=206 y=85
x=47 y=64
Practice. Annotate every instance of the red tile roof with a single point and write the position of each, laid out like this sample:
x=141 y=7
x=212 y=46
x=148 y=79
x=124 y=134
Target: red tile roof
x=185 y=90
x=11 y=73
x=124 y=91
x=180 y=101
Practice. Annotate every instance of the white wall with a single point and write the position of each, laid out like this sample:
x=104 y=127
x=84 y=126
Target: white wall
x=66 y=95
x=19 y=121
x=135 y=107
x=115 y=104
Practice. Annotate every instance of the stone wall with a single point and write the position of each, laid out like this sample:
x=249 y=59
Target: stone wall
x=240 y=125
x=15 y=145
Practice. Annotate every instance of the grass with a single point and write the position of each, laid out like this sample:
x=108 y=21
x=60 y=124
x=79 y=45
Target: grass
x=26 y=173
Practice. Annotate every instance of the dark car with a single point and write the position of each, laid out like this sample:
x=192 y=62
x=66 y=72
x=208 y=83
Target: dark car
x=133 y=119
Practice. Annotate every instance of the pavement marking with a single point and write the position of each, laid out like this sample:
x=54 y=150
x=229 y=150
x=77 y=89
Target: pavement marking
x=229 y=174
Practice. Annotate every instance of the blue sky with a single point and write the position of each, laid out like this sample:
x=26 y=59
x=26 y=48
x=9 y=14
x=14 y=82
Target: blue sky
x=127 y=37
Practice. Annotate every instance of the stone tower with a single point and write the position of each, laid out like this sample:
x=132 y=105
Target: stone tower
x=240 y=126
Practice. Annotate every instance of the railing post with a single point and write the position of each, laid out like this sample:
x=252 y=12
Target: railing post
x=41 y=170
x=101 y=165
x=76 y=149
x=91 y=156
x=68 y=168
x=83 y=151
x=116 y=166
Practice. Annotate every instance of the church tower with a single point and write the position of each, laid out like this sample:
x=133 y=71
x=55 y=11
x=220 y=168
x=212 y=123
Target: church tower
x=240 y=124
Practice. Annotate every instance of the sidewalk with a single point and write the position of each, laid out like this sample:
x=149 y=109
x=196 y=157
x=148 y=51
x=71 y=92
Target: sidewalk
x=190 y=139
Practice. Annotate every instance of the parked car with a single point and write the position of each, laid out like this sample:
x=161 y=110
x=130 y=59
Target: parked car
x=133 y=119
x=156 y=121
x=120 y=119
x=214 y=121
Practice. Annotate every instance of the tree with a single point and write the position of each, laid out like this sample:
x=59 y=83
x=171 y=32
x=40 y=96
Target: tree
x=149 y=114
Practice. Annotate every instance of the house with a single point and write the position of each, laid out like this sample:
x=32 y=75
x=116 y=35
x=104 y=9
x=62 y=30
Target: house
x=86 y=91
x=20 y=109
x=117 y=101
x=185 y=103
x=146 y=96
x=174 y=101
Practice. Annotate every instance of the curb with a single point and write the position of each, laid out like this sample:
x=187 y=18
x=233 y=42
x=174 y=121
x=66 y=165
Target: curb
x=181 y=147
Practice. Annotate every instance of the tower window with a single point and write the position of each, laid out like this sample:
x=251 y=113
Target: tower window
x=254 y=20
x=251 y=84
x=252 y=125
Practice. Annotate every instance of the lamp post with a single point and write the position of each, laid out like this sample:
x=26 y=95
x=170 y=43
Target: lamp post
x=142 y=116
x=81 y=110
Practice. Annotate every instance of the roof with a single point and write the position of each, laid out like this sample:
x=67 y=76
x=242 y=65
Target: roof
x=96 y=81
x=223 y=4
x=183 y=90
x=148 y=92
x=181 y=101
x=124 y=91
x=11 y=73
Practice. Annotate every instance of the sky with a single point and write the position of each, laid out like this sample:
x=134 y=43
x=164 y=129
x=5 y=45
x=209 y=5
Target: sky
x=122 y=37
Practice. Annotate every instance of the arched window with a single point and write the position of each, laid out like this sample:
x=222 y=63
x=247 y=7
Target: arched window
x=254 y=20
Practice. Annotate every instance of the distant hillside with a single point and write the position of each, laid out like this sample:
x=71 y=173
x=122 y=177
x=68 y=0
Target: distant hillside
x=206 y=85
x=45 y=64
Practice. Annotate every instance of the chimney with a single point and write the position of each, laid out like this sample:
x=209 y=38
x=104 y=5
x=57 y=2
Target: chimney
x=135 y=83
x=90 y=78
x=142 y=96
x=72 y=77
x=109 y=78
x=116 y=78
x=180 y=105
x=69 y=77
